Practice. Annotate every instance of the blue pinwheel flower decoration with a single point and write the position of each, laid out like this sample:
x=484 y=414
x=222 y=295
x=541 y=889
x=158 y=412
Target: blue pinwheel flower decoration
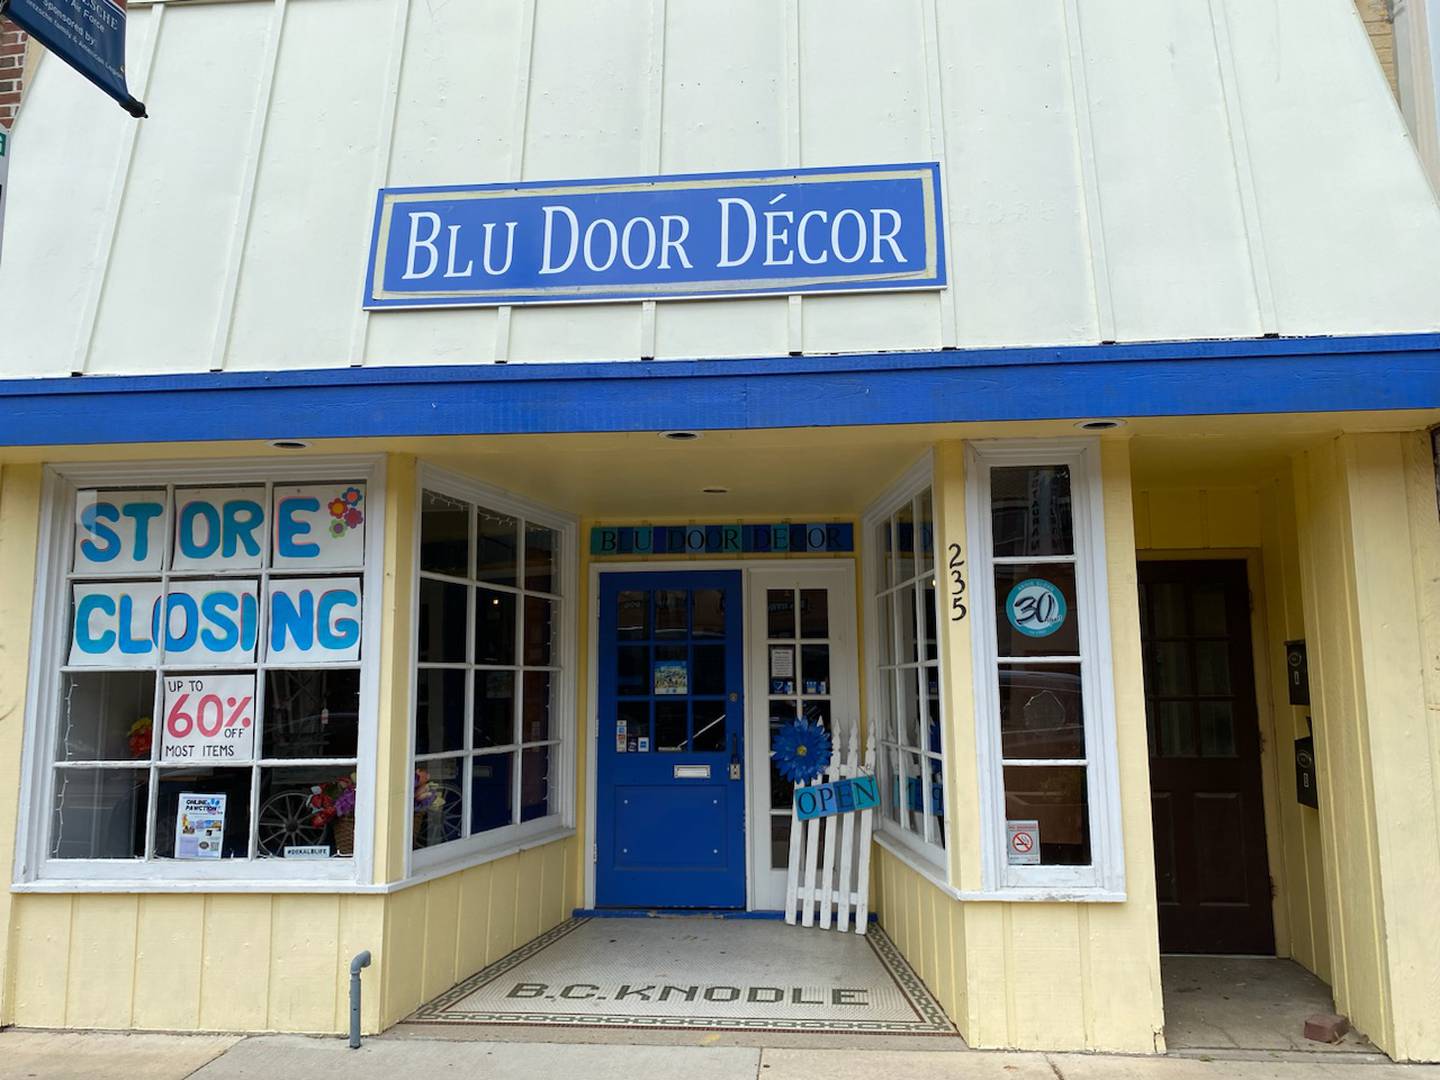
x=801 y=751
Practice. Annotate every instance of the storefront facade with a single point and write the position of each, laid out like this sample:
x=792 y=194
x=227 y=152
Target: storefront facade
x=345 y=610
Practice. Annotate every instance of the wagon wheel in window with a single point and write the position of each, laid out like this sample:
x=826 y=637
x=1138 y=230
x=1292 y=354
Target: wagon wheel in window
x=440 y=825
x=284 y=821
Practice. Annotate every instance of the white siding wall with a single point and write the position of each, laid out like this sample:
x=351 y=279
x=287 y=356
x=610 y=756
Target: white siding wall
x=1112 y=171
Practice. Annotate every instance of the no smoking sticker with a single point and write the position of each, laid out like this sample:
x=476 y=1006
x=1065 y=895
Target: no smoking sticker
x=1022 y=846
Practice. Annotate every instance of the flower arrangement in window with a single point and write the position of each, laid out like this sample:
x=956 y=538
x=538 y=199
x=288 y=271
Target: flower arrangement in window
x=334 y=805
x=142 y=731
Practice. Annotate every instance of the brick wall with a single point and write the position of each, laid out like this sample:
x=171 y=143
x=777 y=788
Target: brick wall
x=12 y=66
x=1380 y=23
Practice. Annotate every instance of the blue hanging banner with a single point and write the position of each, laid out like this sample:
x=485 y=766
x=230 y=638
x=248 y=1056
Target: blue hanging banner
x=783 y=538
x=846 y=229
x=89 y=35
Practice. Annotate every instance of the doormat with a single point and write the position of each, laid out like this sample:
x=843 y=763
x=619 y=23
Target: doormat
x=698 y=974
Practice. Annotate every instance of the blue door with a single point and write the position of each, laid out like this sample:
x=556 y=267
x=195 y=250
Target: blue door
x=670 y=800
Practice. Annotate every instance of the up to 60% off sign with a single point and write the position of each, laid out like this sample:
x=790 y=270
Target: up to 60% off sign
x=209 y=718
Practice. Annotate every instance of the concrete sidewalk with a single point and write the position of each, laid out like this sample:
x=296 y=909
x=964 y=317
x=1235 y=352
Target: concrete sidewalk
x=64 y=1055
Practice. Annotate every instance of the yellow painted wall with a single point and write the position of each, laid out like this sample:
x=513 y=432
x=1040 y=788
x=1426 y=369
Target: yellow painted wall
x=1058 y=976
x=1257 y=524
x=1369 y=544
x=442 y=931
x=19 y=522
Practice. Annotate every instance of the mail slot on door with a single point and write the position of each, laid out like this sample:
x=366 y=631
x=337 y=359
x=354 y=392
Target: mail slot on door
x=692 y=772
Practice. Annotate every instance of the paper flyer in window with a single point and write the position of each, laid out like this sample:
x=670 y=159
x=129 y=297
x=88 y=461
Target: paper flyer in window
x=199 y=826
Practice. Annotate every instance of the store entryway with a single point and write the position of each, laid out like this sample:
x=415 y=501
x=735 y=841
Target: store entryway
x=647 y=974
x=1211 y=871
x=696 y=672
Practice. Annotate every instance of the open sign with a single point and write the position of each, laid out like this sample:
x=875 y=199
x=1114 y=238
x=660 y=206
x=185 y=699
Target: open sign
x=837 y=797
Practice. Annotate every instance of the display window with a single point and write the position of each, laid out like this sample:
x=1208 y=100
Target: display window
x=202 y=695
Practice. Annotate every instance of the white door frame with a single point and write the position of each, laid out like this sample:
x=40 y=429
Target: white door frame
x=766 y=885
x=756 y=724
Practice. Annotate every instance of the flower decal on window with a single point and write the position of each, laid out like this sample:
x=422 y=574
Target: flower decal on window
x=801 y=751
x=345 y=511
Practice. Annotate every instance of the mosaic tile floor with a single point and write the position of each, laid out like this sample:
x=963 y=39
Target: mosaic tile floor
x=698 y=973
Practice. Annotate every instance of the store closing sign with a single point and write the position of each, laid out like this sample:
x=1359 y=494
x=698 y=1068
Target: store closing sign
x=217 y=621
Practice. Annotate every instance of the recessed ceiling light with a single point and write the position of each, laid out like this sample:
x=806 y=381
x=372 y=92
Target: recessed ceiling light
x=1100 y=425
x=290 y=444
x=680 y=436
x=716 y=491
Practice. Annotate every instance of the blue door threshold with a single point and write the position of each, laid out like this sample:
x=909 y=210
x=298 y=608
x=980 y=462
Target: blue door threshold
x=673 y=913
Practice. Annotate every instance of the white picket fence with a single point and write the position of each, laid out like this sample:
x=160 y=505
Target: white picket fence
x=833 y=895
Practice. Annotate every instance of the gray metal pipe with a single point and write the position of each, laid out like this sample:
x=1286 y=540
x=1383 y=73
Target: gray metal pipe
x=362 y=960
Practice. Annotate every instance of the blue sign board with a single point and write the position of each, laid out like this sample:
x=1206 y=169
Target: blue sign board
x=658 y=237
x=837 y=797
x=732 y=539
x=89 y=35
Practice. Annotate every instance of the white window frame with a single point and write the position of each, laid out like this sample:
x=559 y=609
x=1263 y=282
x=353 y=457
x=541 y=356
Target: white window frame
x=906 y=489
x=35 y=870
x=1104 y=878
x=496 y=843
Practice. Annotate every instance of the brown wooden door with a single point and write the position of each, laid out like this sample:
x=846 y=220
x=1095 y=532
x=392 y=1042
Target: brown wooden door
x=1211 y=872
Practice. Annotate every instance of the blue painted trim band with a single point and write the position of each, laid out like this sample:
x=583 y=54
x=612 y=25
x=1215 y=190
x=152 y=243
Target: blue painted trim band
x=1196 y=378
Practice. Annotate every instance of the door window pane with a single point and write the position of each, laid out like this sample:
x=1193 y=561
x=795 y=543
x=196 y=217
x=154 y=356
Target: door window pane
x=1176 y=723
x=632 y=615
x=1031 y=511
x=495 y=547
x=672 y=615
x=1169 y=668
x=441 y=626
x=1056 y=796
x=709 y=736
x=708 y=669
x=815 y=669
x=815 y=613
x=1041 y=714
x=1212 y=667
x=99 y=813
x=106 y=716
x=1217 y=729
x=633 y=669
x=1207 y=610
x=490 y=791
x=494 y=627
x=494 y=708
x=780 y=613
x=709 y=615
x=1035 y=610
x=671 y=727
x=444 y=535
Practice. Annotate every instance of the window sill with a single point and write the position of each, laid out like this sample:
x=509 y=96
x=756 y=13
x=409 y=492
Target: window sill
x=1060 y=894
x=470 y=859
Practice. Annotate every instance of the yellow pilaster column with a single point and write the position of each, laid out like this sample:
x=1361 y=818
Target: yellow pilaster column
x=19 y=529
x=1369 y=542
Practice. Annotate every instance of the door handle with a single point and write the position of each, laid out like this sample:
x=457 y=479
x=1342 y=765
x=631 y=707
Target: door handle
x=734 y=757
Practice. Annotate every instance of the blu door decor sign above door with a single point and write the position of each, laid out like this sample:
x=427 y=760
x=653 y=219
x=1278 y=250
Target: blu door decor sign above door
x=657 y=237
x=781 y=538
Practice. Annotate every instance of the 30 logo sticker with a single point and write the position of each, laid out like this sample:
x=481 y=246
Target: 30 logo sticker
x=1036 y=607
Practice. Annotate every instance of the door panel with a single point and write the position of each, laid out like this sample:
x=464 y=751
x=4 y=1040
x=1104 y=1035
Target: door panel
x=802 y=663
x=1211 y=871
x=670 y=816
